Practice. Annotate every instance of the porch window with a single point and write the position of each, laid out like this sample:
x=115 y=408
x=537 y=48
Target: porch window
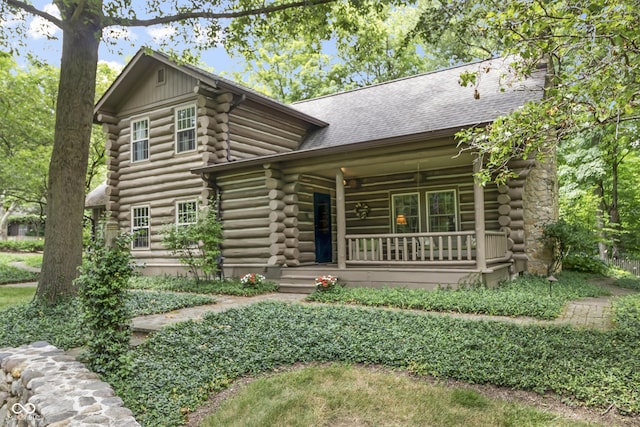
x=186 y=213
x=442 y=211
x=406 y=213
x=140 y=227
x=140 y=140
x=186 y=129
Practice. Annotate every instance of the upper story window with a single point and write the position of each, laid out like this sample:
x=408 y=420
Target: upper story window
x=140 y=227
x=140 y=140
x=442 y=211
x=186 y=213
x=406 y=213
x=186 y=129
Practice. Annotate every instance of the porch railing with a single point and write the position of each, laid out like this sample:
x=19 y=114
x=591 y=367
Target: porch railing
x=446 y=248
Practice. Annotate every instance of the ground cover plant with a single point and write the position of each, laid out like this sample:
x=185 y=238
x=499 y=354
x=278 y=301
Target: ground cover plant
x=184 y=363
x=626 y=315
x=524 y=296
x=22 y=245
x=152 y=302
x=629 y=282
x=230 y=286
x=351 y=395
x=61 y=324
x=11 y=274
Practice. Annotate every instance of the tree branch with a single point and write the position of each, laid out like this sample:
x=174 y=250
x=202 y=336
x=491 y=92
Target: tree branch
x=125 y=22
x=34 y=11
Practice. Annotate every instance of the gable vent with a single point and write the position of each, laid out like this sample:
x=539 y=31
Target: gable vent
x=160 y=77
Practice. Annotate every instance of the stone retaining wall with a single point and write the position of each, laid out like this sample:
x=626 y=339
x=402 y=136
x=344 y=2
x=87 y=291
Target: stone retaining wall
x=42 y=386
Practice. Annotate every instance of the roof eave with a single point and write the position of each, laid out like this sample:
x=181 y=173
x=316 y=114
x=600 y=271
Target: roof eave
x=324 y=151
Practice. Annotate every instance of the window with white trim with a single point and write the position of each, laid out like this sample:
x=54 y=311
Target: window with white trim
x=186 y=129
x=186 y=213
x=406 y=213
x=140 y=227
x=442 y=211
x=140 y=140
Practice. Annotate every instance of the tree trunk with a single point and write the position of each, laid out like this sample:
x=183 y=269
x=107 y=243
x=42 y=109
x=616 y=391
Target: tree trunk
x=4 y=219
x=67 y=171
x=614 y=213
x=602 y=247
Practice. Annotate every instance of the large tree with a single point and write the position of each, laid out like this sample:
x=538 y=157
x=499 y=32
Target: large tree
x=82 y=23
x=27 y=101
x=592 y=51
x=382 y=45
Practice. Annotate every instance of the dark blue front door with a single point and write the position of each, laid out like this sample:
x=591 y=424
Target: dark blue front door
x=322 y=222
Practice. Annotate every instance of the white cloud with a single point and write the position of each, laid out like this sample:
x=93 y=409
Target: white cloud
x=114 y=65
x=40 y=28
x=160 y=34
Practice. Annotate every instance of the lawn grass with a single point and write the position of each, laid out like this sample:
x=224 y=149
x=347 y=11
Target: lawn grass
x=184 y=363
x=230 y=286
x=11 y=295
x=354 y=396
x=524 y=296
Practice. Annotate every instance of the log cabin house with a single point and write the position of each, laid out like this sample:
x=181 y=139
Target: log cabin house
x=368 y=185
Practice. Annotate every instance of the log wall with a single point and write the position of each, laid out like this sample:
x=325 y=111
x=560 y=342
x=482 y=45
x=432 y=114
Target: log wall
x=376 y=192
x=254 y=132
x=244 y=202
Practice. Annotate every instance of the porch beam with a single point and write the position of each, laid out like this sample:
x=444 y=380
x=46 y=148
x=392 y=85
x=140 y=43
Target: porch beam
x=478 y=207
x=341 y=221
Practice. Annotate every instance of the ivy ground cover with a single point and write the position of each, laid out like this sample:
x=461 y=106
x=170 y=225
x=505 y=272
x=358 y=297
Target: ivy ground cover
x=525 y=296
x=184 y=363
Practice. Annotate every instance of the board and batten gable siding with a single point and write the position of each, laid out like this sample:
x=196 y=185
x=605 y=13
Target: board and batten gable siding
x=150 y=94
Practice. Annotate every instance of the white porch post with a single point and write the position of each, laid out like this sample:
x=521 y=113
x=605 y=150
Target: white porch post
x=341 y=221
x=478 y=207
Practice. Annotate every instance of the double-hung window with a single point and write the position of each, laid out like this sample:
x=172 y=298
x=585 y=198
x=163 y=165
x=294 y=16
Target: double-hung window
x=442 y=211
x=140 y=227
x=140 y=140
x=186 y=129
x=186 y=213
x=406 y=213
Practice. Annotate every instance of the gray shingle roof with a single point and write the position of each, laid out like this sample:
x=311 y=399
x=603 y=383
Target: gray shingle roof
x=419 y=104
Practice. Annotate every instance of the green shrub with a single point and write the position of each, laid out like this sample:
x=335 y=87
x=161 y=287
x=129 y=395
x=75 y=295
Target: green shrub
x=22 y=245
x=564 y=238
x=626 y=315
x=585 y=263
x=196 y=245
x=103 y=281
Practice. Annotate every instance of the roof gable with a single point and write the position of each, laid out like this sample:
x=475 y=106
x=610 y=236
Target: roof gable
x=143 y=62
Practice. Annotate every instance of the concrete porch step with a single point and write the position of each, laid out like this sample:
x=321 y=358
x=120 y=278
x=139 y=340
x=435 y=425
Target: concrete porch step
x=296 y=288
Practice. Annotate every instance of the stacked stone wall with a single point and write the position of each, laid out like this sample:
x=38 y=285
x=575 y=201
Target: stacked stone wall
x=40 y=385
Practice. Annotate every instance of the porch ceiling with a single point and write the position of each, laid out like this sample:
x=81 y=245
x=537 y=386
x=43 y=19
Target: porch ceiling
x=416 y=162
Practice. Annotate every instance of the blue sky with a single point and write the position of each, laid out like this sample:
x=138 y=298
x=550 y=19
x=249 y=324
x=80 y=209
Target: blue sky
x=39 y=32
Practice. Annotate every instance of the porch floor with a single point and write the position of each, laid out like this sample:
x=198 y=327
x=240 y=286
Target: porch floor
x=301 y=279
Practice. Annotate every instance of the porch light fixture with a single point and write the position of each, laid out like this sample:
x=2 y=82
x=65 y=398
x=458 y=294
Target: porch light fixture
x=401 y=219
